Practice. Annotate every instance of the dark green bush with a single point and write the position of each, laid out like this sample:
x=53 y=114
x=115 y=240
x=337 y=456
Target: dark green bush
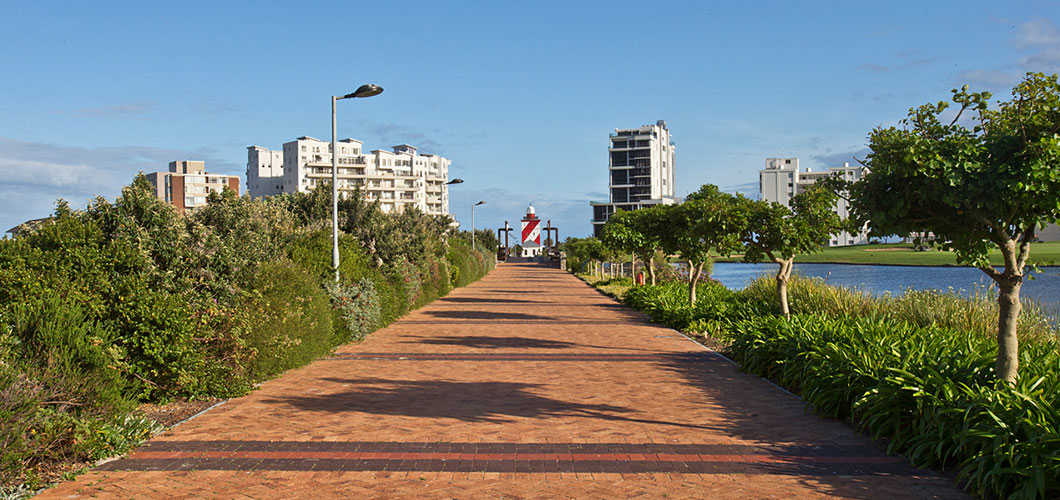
x=295 y=322
x=928 y=391
x=359 y=307
x=62 y=393
x=128 y=301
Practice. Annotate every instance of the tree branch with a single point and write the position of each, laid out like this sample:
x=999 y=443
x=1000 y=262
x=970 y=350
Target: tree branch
x=993 y=273
x=959 y=112
x=1025 y=247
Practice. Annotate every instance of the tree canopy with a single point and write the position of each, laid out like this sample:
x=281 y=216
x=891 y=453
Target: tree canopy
x=977 y=178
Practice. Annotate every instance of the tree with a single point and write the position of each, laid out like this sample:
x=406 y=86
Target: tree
x=708 y=221
x=778 y=233
x=993 y=184
x=582 y=251
x=637 y=232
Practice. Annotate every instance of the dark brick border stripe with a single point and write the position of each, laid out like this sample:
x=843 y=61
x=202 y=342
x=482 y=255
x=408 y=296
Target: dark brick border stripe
x=412 y=462
x=509 y=457
x=693 y=357
x=507 y=448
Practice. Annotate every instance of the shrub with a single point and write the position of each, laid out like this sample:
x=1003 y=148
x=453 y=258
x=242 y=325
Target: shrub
x=928 y=391
x=915 y=370
x=294 y=325
x=129 y=301
x=359 y=306
x=62 y=393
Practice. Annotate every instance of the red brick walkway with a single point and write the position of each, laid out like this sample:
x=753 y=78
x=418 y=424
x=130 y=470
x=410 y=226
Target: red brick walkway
x=527 y=384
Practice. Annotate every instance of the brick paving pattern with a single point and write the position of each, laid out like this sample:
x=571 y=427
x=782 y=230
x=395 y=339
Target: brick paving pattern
x=526 y=384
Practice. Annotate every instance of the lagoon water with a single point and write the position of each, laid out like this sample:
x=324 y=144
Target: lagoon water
x=1043 y=288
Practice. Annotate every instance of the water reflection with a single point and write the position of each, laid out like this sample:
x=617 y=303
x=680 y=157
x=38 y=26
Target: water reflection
x=1043 y=287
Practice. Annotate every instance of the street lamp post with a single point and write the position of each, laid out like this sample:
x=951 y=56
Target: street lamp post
x=367 y=90
x=473 y=223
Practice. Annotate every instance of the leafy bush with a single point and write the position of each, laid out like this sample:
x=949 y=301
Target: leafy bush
x=128 y=301
x=294 y=322
x=915 y=370
x=62 y=394
x=929 y=391
x=359 y=306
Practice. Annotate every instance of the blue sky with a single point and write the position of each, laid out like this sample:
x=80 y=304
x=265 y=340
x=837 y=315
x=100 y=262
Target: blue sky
x=520 y=96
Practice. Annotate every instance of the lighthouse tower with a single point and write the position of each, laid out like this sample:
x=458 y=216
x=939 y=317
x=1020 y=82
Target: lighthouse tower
x=531 y=240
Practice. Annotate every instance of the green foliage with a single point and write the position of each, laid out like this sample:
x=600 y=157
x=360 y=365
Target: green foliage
x=128 y=301
x=914 y=370
x=359 y=306
x=928 y=391
x=972 y=187
x=992 y=185
x=775 y=232
x=62 y=394
x=708 y=221
x=977 y=313
x=581 y=251
x=638 y=232
x=291 y=320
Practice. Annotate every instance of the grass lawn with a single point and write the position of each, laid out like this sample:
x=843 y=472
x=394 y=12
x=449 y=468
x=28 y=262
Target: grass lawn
x=902 y=254
x=615 y=288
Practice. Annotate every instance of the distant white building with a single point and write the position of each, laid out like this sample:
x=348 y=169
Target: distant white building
x=640 y=171
x=399 y=178
x=781 y=180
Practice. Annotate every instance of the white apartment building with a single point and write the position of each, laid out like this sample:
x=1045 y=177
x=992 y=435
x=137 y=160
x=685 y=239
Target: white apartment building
x=264 y=171
x=640 y=171
x=398 y=179
x=782 y=179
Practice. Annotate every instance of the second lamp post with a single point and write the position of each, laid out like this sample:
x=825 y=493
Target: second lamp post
x=473 y=223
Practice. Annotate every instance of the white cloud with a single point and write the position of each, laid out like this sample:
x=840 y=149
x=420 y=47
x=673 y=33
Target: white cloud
x=989 y=77
x=1047 y=60
x=33 y=175
x=1038 y=32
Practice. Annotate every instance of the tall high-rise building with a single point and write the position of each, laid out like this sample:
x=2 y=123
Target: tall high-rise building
x=640 y=171
x=187 y=184
x=399 y=178
x=781 y=180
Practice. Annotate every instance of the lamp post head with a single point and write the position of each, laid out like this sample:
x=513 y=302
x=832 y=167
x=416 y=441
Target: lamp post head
x=455 y=181
x=480 y=203
x=366 y=90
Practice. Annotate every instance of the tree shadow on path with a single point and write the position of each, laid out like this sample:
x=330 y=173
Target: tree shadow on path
x=485 y=300
x=488 y=315
x=484 y=342
x=491 y=402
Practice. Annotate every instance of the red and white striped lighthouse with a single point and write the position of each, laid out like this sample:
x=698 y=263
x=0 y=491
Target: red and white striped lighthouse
x=531 y=240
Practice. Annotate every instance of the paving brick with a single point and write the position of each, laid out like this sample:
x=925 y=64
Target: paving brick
x=526 y=384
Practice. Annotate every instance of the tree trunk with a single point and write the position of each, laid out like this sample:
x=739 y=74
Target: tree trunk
x=782 y=285
x=1009 y=283
x=1008 y=301
x=693 y=280
x=651 y=268
x=633 y=267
